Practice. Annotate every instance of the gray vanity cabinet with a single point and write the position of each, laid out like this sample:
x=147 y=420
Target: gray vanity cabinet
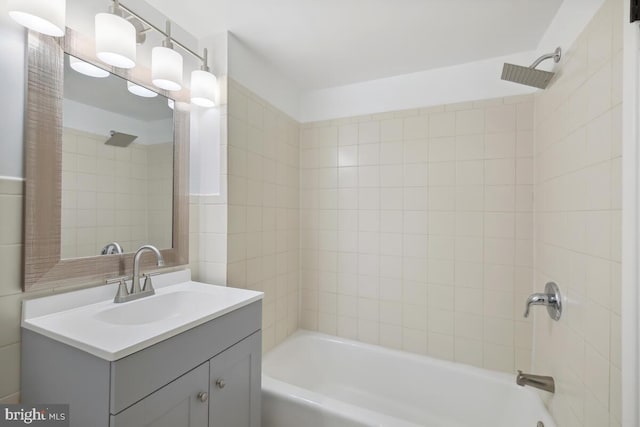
x=177 y=404
x=209 y=375
x=223 y=392
x=235 y=386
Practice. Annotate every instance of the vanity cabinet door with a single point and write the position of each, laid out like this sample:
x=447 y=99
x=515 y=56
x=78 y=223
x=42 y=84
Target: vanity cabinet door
x=236 y=385
x=181 y=403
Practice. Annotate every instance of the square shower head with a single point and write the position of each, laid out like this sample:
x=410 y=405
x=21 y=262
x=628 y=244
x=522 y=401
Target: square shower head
x=119 y=139
x=526 y=75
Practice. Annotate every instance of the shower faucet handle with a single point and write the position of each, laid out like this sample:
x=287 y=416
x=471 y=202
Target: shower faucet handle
x=551 y=298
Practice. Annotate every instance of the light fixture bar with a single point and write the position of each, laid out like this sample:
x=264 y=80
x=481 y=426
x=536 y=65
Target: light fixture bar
x=164 y=33
x=205 y=60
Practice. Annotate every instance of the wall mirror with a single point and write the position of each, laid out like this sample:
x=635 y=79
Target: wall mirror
x=106 y=161
x=117 y=164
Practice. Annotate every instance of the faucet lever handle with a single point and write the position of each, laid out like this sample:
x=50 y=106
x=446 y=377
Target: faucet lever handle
x=148 y=285
x=122 y=287
x=113 y=280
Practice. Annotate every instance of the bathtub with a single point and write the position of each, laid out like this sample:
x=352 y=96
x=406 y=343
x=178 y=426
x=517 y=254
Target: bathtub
x=316 y=380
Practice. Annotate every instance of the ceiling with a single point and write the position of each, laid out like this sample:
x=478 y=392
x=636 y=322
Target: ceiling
x=326 y=43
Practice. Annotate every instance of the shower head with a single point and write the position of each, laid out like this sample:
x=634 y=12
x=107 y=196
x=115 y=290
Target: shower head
x=530 y=76
x=526 y=75
x=119 y=139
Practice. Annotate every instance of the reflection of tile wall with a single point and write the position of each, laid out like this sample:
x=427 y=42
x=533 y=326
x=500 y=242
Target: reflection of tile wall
x=578 y=150
x=416 y=230
x=263 y=222
x=114 y=194
x=160 y=195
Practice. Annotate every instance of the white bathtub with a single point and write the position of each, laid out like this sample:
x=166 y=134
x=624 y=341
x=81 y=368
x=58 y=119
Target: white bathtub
x=316 y=380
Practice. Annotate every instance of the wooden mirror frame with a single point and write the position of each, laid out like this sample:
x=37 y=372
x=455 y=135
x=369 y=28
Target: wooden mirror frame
x=43 y=267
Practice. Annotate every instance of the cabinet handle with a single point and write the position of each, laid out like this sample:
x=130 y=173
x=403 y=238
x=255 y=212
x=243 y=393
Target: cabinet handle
x=220 y=383
x=203 y=396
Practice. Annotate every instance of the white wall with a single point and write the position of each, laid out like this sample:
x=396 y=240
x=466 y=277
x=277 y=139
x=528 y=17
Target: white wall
x=255 y=73
x=217 y=46
x=465 y=82
x=207 y=130
x=572 y=17
x=12 y=60
x=205 y=155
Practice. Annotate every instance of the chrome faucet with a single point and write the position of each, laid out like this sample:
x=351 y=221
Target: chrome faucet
x=551 y=298
x=135 y=285
x=124 y=295
x=538 y=381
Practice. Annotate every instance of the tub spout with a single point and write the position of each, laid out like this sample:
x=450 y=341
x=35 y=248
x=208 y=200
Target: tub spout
x=538 y=381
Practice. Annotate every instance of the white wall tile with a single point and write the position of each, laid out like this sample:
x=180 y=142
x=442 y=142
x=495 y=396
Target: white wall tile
x=369 y=132
x=577 y=132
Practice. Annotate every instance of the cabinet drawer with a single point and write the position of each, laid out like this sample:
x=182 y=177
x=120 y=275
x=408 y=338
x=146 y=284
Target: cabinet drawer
x=175 y=405
x=140 y=374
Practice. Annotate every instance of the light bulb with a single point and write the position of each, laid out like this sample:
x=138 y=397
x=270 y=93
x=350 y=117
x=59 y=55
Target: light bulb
x=166 y=68
x=87 y=69
x=140 y=91
x=115 y=40
x=44 y=16
x=203 y=88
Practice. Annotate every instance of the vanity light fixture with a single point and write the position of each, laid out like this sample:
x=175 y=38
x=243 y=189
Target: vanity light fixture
x=87 y=69
x=166 y=65
x=44 y=16
x=203 y=85
x=115 y=38
x=140 y=90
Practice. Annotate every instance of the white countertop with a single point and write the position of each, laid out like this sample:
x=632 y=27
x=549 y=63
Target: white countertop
x=86 y=320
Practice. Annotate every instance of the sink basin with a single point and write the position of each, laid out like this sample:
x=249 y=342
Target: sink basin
x=87 y=320
x=154 y=308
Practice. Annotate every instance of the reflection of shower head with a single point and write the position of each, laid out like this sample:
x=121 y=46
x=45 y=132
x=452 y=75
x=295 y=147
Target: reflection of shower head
x=529 y=75
x=119 y=139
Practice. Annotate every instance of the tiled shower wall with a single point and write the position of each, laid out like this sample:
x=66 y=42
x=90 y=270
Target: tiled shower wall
x=578 y=149
x=416 y=230
x=263 y=211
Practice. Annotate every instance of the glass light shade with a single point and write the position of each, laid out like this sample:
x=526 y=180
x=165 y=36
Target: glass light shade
x=115 y=40
x=171 y=103
x=44 y=16
x=203 y=88
x=87 y=69
x=166 y=68
x=140 y=91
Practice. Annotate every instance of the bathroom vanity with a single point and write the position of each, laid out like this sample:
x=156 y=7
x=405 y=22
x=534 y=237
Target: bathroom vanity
x=188 y=356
